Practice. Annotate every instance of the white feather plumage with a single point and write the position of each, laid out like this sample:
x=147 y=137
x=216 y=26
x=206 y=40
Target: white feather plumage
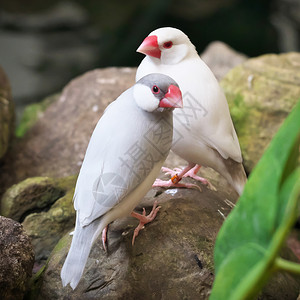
x=112 y=181
x=206 y=137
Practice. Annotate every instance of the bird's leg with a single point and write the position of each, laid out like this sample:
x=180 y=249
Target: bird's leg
x=177 y=175
x=194 y=170
x=144 y=219
x=104 y=237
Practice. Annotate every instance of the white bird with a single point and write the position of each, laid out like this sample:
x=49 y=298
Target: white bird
x=125 y=154
x=204 y=134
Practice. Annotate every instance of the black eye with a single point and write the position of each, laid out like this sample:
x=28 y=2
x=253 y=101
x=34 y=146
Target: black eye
x=168 y=45
x=155 y=89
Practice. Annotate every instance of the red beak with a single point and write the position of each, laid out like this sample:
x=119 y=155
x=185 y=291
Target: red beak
x=150 y=46
x=173 y=98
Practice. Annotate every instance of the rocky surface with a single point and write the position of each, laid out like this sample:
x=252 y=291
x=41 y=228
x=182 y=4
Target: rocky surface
x=32 y=113
x=6 y=114
x=30 y=195
x=172 y=257
x=45 y=228
x=261 y=92
x=16 y=260
x=45 y=208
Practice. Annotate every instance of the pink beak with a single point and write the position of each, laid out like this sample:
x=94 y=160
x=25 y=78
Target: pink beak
x=150 y=46
x=173 y=98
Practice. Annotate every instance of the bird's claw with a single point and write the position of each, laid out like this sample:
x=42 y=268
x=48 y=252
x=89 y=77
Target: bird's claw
x=169 y=184
x=144 y=219
x=201 y=179
x=168 y=171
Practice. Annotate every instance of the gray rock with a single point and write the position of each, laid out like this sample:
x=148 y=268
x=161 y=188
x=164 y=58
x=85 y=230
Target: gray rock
x=6 y=114
x=171 y=259
x=221 y=58
x=16 y=260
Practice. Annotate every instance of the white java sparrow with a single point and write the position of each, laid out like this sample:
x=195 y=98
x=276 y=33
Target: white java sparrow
x=204 y=134
x=125 y=154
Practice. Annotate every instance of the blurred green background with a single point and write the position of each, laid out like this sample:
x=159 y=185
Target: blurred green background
x=44 y=44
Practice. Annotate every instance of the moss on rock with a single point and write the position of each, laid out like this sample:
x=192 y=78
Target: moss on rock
x=32 y=113
x=47 y=227
x=261 y=92
x=45 y=207
x=32 y=194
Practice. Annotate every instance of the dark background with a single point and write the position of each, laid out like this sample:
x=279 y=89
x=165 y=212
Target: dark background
x=44 y=44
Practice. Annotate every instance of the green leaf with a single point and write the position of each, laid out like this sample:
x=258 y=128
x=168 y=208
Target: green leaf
x=250 y=239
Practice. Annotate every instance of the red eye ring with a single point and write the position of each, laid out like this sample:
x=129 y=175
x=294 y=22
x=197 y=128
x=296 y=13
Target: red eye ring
x=155 y=89
x=168 y=45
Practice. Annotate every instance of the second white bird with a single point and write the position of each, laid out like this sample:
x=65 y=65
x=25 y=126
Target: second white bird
x=203 y=129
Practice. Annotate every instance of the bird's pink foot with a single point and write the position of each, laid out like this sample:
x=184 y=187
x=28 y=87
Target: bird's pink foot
x=177 y=174
x=168 y=184
x=144 y=219
x=104 y=237
x=193 y=174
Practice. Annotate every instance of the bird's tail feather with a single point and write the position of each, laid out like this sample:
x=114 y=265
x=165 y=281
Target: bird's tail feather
x=235 y=174
x=82 y=242
x=239 y=178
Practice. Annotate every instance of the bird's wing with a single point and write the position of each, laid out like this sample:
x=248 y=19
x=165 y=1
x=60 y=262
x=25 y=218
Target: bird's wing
x=217 y=130
x=227 y=145
x=222 y=135
x=210 y=119
x=116 y=160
